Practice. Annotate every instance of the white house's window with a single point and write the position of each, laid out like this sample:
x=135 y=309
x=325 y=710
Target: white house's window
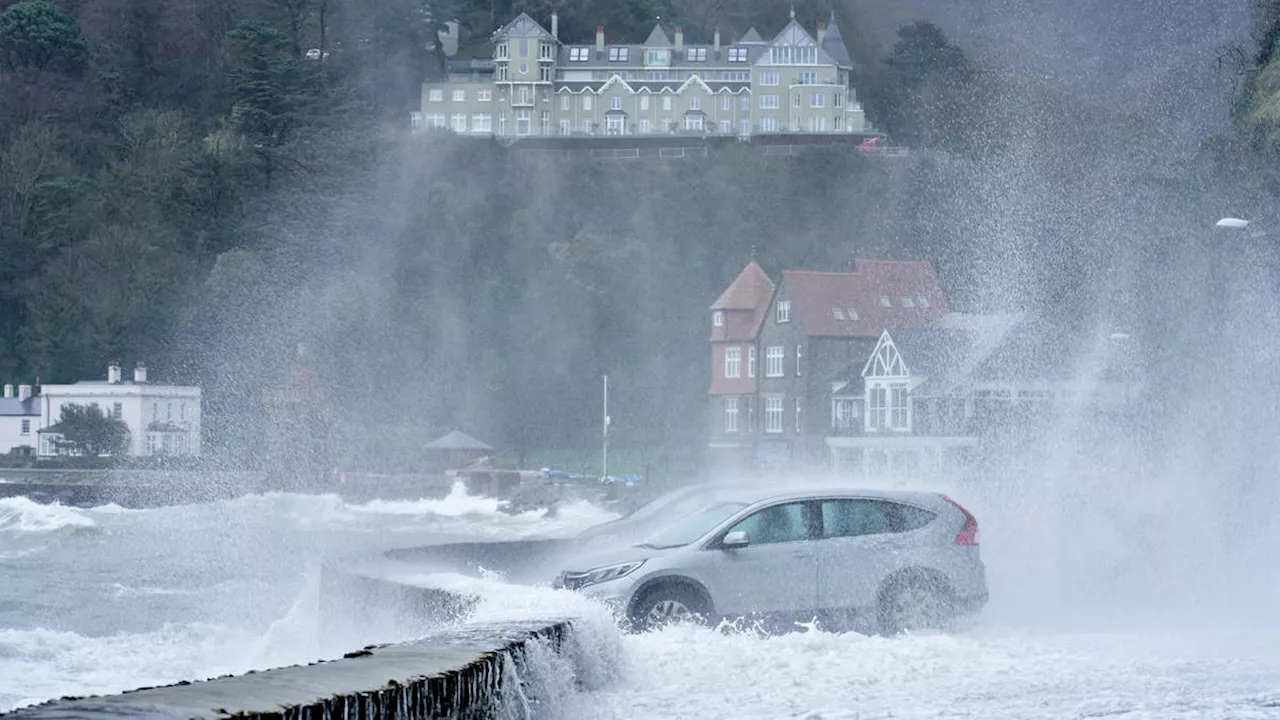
x=744 y=102
x=459 y=95
x=459 y=122
x=837 y=99
x=644 y=125
x=899 y=413
x=695 y=54
x=658 y=74
x=807 y=77
x=644 y=102
x=717 y=318
x=798 y=423
x=695 y=103
x=500 y=52
x=484 y=95
x=799 y=353
x=773 y=415
x=769 y=102
x=614 y=125
x=877 y=398
x=117 y=410
x=666 y=102
x=842 y=414
x=586 y=102
x=502 y=123
x=837 y=313
x=795 y=99
x=783 y=313
x=524 y=95
x=817 y=124
x=544 y=73
x=692 y=122
x=545 y=50
x=853 y=314
x=751 y=361
x=737 y=54
x=544 y=122
x=565 y=125
x=726 y=126
x=773 y=360
x=502 y=73
x=769 y=77
x=884 y=302
x=839 y=125
x=564 y=102
x=435 y=96
x=586 y=126
x=578 y=54
x=619 y=54
x=818 y=100
x=724 y=102
x=26 y=427
x=733 y=362
x=481 y=122
x=523 y=119
x=615 y=103
x=731 y=414
x=155 y=411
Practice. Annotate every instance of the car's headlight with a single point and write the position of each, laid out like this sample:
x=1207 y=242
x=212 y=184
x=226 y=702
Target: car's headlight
x=577 y=580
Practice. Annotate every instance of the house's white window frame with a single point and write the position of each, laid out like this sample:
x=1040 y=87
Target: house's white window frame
x=459 y=122
x=769 y=101
x=799 y=355
x=774 y=410
x=566 y=126
x=725 y=103
x=693 y=122
x=769 y=77
x=717 y=318
x=615 y=103
x=775 y=358
x=799 y=425
x=26 y=426
x=751 y=361
x=877 y=406
x=782 y=313
x=737 y=54
x=565 y=100
x=644 y=102
x=481 y=122
x=587 y=102
x=435 y=96
x=731 y=414
x=899 y=407
x=579 y=53
x=733 y=362
x=459 y=95
x=484 y=96
x=117 y=410
x=666 y=102
x=695 y=102
x=695 y=54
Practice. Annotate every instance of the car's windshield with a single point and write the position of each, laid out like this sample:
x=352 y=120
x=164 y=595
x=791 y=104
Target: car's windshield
x=692 y=526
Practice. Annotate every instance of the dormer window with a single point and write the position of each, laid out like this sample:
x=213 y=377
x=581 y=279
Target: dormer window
x=579 y=54
x=885 y=302
x=923 y=301
x=837 y=313
x=619 y=54
x=717 y=318
x=695 y=54
x=737 y=54
x=783 y=312
x=908 y=301
x=851 y=313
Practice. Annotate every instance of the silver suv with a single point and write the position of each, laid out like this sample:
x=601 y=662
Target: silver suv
x=903 y=559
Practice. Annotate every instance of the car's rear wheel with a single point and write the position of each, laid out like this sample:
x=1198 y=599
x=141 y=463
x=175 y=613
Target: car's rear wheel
x=666 y=605
x=915 y=602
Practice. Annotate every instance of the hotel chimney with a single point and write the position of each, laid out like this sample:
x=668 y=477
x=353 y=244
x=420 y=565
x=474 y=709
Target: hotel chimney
x=822 y=32
x=717 y=40
x=139 y=374
x=24 y=392
x=113 y=372
x=600 y=39
x=679 y=39
x=555 y=24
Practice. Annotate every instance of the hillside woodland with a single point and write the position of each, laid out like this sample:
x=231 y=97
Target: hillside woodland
x=181 y=183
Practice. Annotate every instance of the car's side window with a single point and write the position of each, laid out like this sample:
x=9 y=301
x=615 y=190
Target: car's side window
x=775 y=524
x=851 y=518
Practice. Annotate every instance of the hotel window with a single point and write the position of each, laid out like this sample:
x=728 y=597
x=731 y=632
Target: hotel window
x=899 y=415
x=698 y=54
x=737 y=54
x=435 y=96
x=546 y=51
x=615 y=103
x=773 y=415
x=481 y=122
x=544 y=73
x=578 y=54
x=731 y=414
x=26 y=427
x=724 y=102
x=744 y=103
x=459 y=95
x=564 y=102
x=733 y=362
x=751 y=361
x=619 y=54
x=586 y=102
x=798 y=424
x=818 y=100
x=774 y=356
x=769 y=77
x=783 y=312
x=644 y=102
x=799 y=352
x=459 y=122
x=807 y=77
x=768 y=102
x=666 y=102
x=564 y=127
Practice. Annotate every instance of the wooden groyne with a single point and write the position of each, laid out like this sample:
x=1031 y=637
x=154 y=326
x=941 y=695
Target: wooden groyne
x=468 y=671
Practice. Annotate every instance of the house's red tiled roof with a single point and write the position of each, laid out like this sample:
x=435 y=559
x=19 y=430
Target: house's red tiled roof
x=914 y=298
x=744 y=304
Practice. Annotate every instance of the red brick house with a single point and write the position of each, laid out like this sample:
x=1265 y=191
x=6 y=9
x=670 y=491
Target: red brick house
x=774 y=351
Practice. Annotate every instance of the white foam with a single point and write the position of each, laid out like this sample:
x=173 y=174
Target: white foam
x=22 y=515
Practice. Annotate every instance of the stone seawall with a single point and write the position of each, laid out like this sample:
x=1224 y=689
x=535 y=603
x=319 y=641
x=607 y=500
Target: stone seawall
x=466 y=671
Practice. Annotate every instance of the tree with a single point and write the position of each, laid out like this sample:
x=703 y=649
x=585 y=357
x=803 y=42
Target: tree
x=928 y=97
x=88 y=431
x=38 y=35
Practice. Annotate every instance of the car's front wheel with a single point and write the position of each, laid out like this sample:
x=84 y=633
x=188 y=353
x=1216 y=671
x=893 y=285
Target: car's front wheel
x=667 y=605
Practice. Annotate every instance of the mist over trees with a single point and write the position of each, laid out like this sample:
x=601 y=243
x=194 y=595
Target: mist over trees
x=181 y=183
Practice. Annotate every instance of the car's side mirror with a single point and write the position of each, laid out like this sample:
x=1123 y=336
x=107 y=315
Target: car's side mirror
x=736 y=539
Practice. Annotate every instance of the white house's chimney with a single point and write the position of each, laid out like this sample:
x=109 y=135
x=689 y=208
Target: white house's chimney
x=679 y=39
x=600 y=38
x=113 y=372
x=822 y=32
x=717 y=40
x=8 y=390
x=555 y=24
x=140 y=373
x=24 y=392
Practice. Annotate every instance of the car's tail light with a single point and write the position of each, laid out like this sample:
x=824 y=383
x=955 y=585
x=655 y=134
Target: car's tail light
x=969 y=533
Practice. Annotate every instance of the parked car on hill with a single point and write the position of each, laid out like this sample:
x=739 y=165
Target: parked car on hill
x=906 y=559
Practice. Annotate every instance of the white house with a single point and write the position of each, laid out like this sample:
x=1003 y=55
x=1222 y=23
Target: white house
x=19 y=419
x=162 y=419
